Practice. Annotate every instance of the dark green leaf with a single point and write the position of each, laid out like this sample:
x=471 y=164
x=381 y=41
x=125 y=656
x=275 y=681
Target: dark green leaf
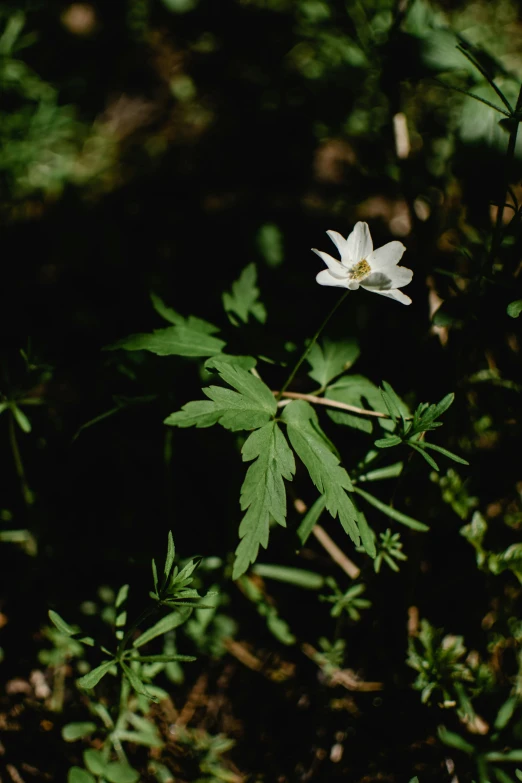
x=21 y=419
x=136 y=683
x=446 y=453
x=245 y=362
x=310 y=519
x=243 y=299
x=454 y=740
x=166 y=312
x=367 y=535
x=419 y=449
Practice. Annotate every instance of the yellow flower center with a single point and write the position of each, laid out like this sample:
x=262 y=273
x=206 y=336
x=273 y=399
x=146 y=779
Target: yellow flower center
x=360 y=270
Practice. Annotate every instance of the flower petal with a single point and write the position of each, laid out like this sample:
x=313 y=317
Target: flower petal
x=333 y=265
x=386 y=256
x=392 y=293
x=359 y=245
x=326 y=278
x=338 y=240
x=393 y=277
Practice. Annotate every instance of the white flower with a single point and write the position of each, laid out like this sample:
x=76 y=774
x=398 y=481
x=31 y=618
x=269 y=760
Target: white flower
x=361 y=265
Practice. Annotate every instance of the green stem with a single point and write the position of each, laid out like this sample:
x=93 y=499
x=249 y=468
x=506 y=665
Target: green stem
x=510 y=154
x=19 y=465
x=143 y=616
x=311 y=344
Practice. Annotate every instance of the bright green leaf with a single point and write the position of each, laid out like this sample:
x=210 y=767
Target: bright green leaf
x=167 y=623
x=165 y=311
x=250 y=406
x=187 y=340
x=245 y=362
x=263 y=492
x=75 y=731
x=169 y=560
x=92 y=679
x=94 y=761
x=299 y=577
x=59 y=622
x=323 y=466
x=446 y=453
x=331 y=359
x=136 y=683
x=79 y=775
x=120 y=772
x=454 y=740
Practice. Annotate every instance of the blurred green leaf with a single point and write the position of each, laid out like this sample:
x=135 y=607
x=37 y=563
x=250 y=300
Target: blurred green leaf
x=92 y=679
x=243 y=300
x=514 y=308
x=79 y=775
x=75 y=731
x=294 y=576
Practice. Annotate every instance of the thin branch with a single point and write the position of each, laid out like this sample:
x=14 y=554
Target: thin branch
x=344 y=406
x=487 y=77
x=335 y=553
x=472 y=95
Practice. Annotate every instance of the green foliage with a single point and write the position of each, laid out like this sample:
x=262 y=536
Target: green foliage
x=349 y=602
x=331 y=359
x=266 y=608
x=494 y=562
x=243 y=300
x=250 y=406
x=314 y=449
x=389 y=549
x=263 y=494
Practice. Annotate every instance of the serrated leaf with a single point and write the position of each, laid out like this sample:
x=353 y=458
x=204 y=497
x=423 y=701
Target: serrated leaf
x=167 y=623
x=245 y=362
x=61 y=625
x=398 y=516
x=250 y=406
x=165 y=311
x=323 y=466
x=72 y=732
x=243 y=298
x=120 y=772
x=79 y=775
x=310 y=519
x=367 y=535
x=299 y=577
x=331 y=359
x=186 y=340
x=263 y=492
x=359 y=391
x=514 y=308
x=92 y=679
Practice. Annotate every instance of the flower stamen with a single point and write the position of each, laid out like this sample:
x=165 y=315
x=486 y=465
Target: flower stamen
x=360 y=270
